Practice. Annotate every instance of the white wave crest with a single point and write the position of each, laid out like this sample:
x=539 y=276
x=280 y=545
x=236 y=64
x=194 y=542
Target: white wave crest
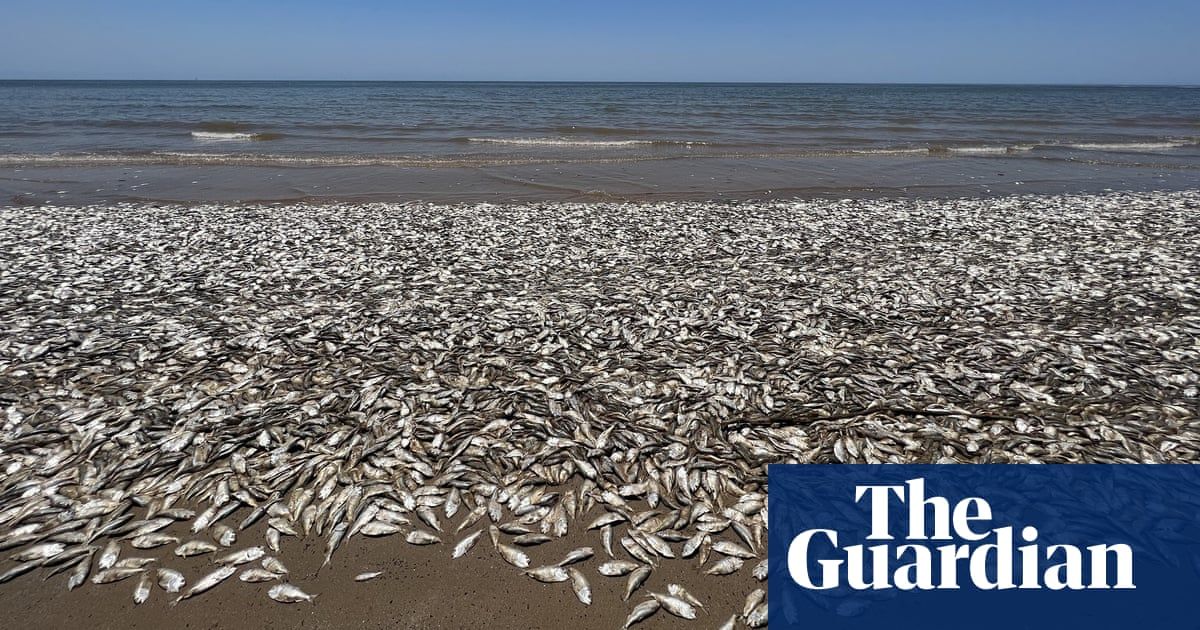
x=223 y=135
x=1128 y=146
x=564 y=142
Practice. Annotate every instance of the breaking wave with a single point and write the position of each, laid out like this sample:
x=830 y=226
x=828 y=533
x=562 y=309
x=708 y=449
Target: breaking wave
x=578 y=142
x=234 y=136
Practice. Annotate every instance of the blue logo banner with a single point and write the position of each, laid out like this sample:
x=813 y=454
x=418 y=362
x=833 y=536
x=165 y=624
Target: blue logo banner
x=984 y=546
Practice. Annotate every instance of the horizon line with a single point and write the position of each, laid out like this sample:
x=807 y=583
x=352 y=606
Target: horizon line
x=607 y=81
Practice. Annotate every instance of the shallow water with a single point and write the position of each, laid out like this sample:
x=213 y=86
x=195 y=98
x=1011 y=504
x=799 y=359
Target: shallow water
x=577 y=140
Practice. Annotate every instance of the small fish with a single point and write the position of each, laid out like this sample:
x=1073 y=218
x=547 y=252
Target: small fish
x=207 y=582
x=642 y=611
x=109 y=556
x=757 y=617
x=675 y=606
x=242 y=557
x=288 y=594
x=608 y=518
x=726 y=566
x=378 y=528
x=141 y=592
x=580 y=585
x=513 y=556
x=760 y=570
x=79 y=574
x=370 y=575
x=577 y=555
x=256 y=574
x=549 y=574
x=224 y=535
x=20 y=569
x=418 y=537
x=466 y=544
x=150 y=541
x=730 y=623
x=133 y=563
x=273 y=565
x=636 y=579
x=194 y=548
x=617 y=568
x=39 y=552
x=115 y=574
x=531 y=539
x=756 y=597
x=732 y=549
x=171 y=580
x=678 y=591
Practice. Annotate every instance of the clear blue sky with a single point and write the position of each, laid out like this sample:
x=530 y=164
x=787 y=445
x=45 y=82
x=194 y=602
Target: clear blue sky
x=972 y=41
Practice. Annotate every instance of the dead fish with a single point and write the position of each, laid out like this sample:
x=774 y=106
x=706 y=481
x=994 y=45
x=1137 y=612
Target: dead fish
x=760 y=570
x=79 y=573
x=377 y=528
x=371 y=575
x=529 y=540
x=730 y=623
x=194 y=548
x=115 y=574
x=273 y=565
x=675 y=606
x=676 y=590
x=38 y=552
x=693 y=544
x=141 y=592
x=726 y=566
x=134 y=563
x=243 y=556
x=256 y=574
x=466 y=544
x=288 y=594
x=109 y=555
x=207 y=582
x=421 y=537
x=580 y=585
x=617 y=568
x=170 y=580
x=549 y=574
x=732 y=549
x=758 y=617
x=642 y=611
x=577 y=555
x=756 y=597
x=513 y=556
x=19 y=570
x=224 y=535
x=635 y=581
x=608 y=518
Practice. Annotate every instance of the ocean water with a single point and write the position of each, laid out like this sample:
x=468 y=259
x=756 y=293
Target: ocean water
x=524 y=140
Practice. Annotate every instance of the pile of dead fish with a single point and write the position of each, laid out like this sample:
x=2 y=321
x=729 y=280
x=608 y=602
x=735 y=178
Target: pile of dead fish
x=511 y=373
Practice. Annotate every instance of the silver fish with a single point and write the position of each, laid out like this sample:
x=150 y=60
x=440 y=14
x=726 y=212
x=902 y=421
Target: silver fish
x=207 y=582
x=641 y=612
x=580 y=585
x=171 y=580
x=289 y=594
x=466 y=544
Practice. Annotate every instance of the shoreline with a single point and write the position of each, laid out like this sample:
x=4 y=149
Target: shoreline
x=540 y=365
x=682 y=179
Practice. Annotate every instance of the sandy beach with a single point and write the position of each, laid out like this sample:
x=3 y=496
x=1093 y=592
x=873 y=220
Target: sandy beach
x=348 y=380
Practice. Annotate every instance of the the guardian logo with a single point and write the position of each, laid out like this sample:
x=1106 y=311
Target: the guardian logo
x=945 y=546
